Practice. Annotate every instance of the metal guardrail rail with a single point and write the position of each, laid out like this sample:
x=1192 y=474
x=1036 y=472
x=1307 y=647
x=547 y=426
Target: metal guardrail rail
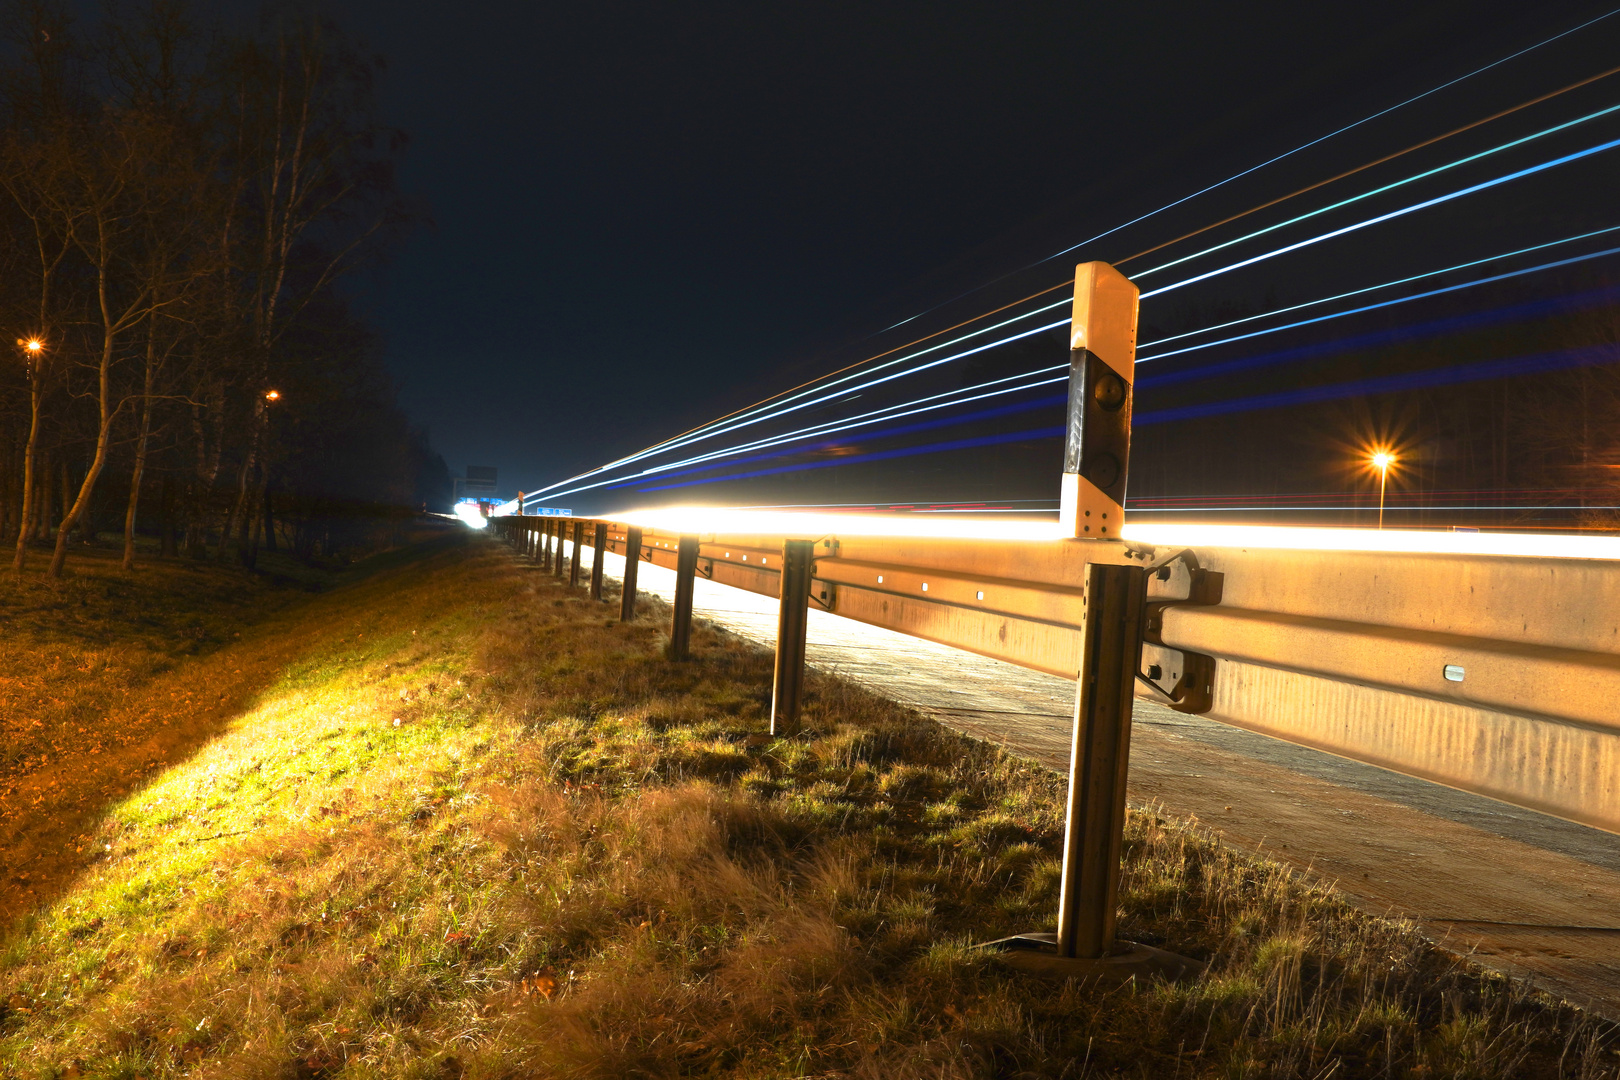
x=1495 y=674
x=1498 y=675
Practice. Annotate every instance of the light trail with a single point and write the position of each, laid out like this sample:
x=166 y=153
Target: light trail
x=748 y=421
x=1371 y=504
x=894 y=411
x=878 y=455
x=741 y=421
x=1384 y=303
x=698 y=432
x=1270 y=161
x=877 y=416
x=713 y=521
x=750 y=416
x=1368 y=165
x=1389 y=285
x=1052 y=401
x=1472 y=189
x=1352 y=200
x=826 y=392
x=1385 y=384
x=861 y=386
x=1410 y=332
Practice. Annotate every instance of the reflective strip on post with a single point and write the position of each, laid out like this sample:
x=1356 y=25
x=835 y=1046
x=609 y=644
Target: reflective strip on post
x=787 y=686
x=1102 y=367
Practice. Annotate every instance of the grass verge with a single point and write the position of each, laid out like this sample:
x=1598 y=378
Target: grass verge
x=473 y=826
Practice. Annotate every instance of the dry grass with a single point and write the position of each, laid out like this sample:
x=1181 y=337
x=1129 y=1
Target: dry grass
x=477 y=828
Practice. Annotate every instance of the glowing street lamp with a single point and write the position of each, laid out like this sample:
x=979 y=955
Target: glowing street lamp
x=1382 y=460
x=272 y=395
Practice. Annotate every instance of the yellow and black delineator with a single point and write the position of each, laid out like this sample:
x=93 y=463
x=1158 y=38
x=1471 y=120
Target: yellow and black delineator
x=1102 y=367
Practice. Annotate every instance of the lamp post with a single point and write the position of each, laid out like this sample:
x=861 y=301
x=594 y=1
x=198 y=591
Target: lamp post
x=1382 y=460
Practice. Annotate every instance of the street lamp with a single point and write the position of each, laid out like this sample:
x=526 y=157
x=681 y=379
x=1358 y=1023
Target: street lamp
x=1382 y=460
x=272 y=395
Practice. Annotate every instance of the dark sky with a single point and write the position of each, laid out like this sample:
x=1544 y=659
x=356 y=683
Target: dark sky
x=647 y=214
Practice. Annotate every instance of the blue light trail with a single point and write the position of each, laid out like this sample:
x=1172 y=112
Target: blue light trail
x=886 y=455
x=1572 y=260
x=1049 y=401
x=1412 y=332
x=1535 y=363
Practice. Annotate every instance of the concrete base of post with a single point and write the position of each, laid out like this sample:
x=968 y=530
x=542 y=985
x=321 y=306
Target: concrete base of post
x=1036 y=954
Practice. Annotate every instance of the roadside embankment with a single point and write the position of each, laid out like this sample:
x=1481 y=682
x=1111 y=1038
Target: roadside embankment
x=460 y=821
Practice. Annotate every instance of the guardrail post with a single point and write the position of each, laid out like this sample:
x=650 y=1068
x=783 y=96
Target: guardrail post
x=562 y=534
x=632 y=566
x=573 y=565
x=544 y=542
x=598 y=552
x=1094 y=824
x=680 y=627
x=793 y=611
x=1102 y=365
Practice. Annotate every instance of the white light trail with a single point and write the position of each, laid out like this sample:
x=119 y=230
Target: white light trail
x=701 y=520
x=1414 y=178
x=1472 y=189
x=838 y=426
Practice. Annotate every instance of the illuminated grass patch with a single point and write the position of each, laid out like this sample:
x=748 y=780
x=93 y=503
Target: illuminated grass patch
x=475 y=827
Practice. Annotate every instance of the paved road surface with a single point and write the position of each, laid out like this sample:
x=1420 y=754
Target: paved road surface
x=1526 y=894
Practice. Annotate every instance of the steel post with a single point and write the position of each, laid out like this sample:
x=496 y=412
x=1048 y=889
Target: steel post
x=793 y=611
x=680 y=628
x=573 y=564
x=557 y=563
x=598 y=551
x=1099 y=758
x=632 y=566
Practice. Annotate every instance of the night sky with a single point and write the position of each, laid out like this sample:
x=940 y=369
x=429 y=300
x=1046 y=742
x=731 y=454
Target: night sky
x=644 y=215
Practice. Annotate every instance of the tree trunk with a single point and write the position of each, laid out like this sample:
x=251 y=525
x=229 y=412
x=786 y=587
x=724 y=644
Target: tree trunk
x=269 y=522
x=103 y=437
x=25 y=525
x=243 y=506
x=168 y=548
x=140 y=459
